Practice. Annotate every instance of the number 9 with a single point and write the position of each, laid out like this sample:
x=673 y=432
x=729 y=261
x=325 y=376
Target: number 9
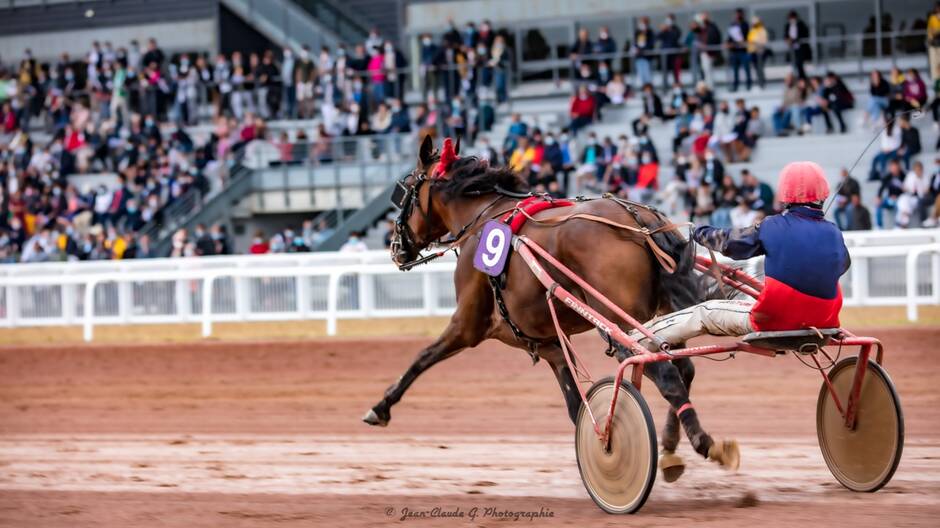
x=494 y=244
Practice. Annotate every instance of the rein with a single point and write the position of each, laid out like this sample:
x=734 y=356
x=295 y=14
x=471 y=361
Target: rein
x=459 y=237
x=665 y=260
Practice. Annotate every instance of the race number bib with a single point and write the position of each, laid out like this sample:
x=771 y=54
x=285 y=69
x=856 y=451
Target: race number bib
x=490 y=257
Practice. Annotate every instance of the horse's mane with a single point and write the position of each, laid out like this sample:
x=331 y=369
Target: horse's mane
x=471 y=174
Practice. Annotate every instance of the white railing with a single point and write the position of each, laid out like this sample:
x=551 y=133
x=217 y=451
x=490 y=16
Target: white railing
x=891 y=268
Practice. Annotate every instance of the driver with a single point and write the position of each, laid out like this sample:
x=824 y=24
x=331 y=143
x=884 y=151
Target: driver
x=805 y=256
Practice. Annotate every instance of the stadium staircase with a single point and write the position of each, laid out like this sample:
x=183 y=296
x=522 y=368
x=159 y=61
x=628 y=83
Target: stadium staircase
x=298 y=22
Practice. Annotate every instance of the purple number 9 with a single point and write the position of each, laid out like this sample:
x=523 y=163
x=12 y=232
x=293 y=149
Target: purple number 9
x=495 y=243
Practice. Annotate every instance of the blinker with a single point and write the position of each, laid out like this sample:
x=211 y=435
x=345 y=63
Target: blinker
x=399 y=194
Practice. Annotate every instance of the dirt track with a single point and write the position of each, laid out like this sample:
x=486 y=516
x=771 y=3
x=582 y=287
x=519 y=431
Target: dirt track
x=255 y=434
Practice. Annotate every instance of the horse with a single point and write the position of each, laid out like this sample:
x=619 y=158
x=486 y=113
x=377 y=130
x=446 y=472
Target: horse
x=446 y=194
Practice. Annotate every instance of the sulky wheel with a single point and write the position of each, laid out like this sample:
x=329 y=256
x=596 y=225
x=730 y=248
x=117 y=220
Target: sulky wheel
x=619 y=479
x=863 y=459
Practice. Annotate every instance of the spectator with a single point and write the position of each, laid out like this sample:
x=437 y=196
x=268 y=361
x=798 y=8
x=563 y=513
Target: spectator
x=910 y=141
x=757 y=49
x=221 y=243
x=726 y=197
x=737 y=48
x=582 y=110
x=723 y=134
x=933 y=41
x=616 y=90
x=848 y=187
x=820 y=104
x=322 y=234
x=915 y=189
x=892 y=186
x=354 y=244
x=915 y=90
x=669 y=39
x=758 y=195
x=711 y=40
x=890 y=145
x=859 y=216
x=796 y=34
x=644 y=41
x=931 y=203
x=878 y=92
x=652 y=104
x=605 y=47
x=204 y=244
x=581 y=48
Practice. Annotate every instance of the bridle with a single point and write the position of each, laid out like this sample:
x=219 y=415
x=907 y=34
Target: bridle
x=405 y=196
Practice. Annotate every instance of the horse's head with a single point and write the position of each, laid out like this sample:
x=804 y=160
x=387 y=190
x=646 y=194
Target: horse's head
x=419 y=222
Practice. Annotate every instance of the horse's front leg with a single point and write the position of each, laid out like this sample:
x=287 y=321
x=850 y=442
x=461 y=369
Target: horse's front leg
x=466 y=329
x=555 y=357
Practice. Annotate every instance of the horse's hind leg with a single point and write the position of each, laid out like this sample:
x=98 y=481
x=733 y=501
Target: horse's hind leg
x=670 y=463
x=670 y=384
x=671 y=429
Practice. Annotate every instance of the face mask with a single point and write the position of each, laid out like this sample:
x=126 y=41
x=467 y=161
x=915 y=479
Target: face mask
x=426 y=41
x=564 y=138
x=670 y=22
x=604 y=35
x=550 y=141
x=709 y=157
x=481 y=50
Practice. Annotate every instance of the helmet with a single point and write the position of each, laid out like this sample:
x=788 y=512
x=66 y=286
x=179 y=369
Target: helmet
x=802 y=182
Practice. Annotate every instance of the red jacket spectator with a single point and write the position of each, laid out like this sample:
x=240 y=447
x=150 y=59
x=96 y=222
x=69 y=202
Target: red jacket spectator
x=258 y=247
x=74 y=139
x=648 y=176
x=583 y=107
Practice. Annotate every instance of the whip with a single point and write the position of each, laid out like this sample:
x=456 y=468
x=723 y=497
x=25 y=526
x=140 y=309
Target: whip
x=916 y=113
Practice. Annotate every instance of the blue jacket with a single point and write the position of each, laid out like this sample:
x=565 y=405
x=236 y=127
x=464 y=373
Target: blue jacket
x=805 y=256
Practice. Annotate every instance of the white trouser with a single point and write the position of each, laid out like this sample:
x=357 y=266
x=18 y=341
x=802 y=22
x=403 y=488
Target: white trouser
x=724 y=318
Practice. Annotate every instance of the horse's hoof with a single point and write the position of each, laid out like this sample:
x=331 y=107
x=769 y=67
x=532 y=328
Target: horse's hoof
x=672 y=466
x=726 y=453
x=373 y=419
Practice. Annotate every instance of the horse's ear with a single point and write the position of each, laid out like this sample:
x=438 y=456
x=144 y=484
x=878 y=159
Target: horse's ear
x=457 y=148
x=426 y=152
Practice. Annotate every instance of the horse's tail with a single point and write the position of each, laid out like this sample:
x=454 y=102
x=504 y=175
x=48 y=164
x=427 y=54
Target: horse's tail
x=683 y=287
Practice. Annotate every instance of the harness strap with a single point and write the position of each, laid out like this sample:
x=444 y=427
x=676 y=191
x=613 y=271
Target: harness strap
x=531 y=344
x=665 y=260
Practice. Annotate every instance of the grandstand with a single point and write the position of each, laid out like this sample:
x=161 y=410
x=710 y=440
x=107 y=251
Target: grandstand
x=273 y=182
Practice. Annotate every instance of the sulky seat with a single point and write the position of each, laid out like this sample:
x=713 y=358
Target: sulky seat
x=808 y=340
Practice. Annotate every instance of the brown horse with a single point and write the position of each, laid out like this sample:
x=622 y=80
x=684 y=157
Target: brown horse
x=617 y=262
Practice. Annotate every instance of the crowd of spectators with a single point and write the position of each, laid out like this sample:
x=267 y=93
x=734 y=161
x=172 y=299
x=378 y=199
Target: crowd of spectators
x=125 y=110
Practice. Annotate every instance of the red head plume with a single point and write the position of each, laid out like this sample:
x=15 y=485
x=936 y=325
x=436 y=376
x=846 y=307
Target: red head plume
x=448 y=155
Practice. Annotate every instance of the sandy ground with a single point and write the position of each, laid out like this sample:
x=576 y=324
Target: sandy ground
x=268 y=433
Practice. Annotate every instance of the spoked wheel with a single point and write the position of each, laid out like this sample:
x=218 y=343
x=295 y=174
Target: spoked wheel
x=863 y=459
x=619 y=479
